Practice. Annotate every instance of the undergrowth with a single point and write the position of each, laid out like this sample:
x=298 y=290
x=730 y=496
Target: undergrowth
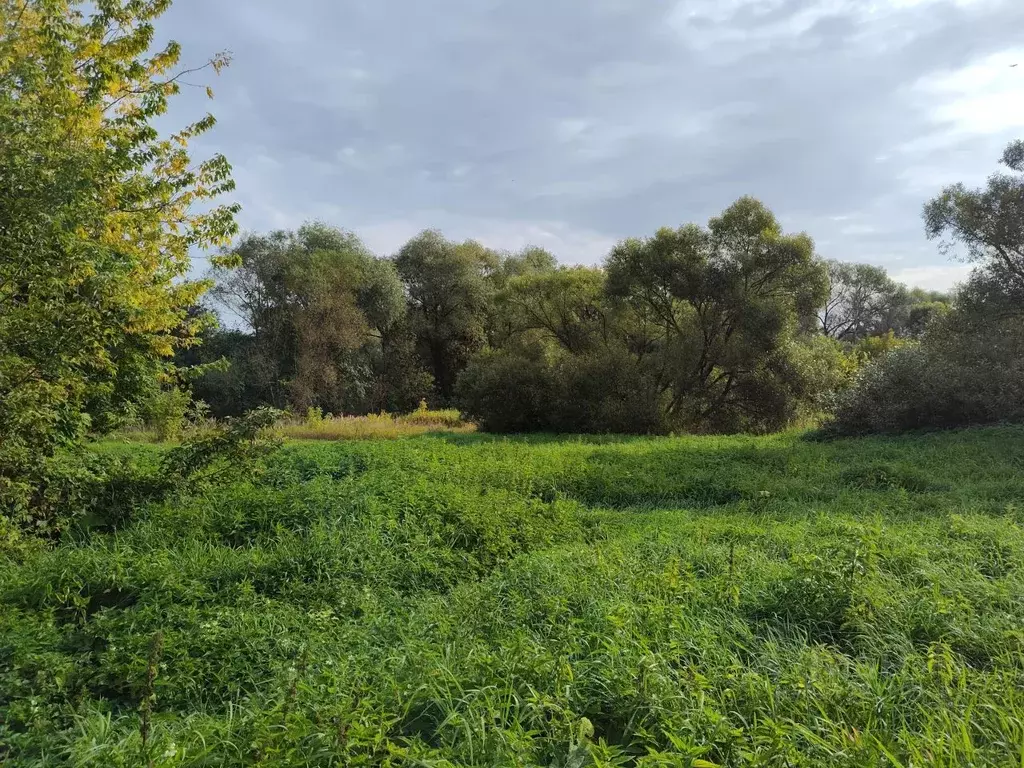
x=463 y=600
x=316 y=425
x=374 y=426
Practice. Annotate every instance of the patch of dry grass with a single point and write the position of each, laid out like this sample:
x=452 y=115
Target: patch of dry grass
x=375 y=426
x=319 y=426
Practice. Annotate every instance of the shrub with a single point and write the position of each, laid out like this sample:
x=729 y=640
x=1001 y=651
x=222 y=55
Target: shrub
x=531 y=390
x=165 y=413
x=792 y=386
x=957 y=377
x=83 y=488
x=508 y=392
x=606 y=392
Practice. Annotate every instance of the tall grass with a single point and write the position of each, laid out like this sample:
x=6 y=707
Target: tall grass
x=316 y=426
x=457 y=600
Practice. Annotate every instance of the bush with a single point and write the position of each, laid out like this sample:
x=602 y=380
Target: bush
x=795 y=385
x=959 y=376
x=165 y=413
x=608 y=391
x=82 y=488
x=530 y=390
x=507 y=392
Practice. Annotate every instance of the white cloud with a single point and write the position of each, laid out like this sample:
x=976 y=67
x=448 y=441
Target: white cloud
x=569 y=128
x=569 y=244
x=940 y=277
x=985 y=97
x=851 y=230
x=705 y=25
x=285 y=27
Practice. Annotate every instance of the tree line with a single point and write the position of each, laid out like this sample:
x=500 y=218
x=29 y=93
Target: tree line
x=729 y=327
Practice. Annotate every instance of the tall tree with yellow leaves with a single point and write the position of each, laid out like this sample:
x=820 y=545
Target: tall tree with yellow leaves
x=98 y=215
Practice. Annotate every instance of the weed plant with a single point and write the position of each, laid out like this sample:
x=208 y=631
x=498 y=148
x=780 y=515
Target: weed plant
x=462 y=600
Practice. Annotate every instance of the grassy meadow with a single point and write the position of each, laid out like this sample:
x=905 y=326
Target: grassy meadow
x=457 y=600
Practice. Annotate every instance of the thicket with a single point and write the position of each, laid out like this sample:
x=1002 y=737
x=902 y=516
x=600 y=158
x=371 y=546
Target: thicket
x=732 y=327
x=968 y=366
x=481 y=601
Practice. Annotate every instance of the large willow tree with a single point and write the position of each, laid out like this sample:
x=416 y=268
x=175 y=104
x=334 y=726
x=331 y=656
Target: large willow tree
x=98 y=214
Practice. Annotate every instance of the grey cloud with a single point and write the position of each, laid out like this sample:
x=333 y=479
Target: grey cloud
x=605 y=119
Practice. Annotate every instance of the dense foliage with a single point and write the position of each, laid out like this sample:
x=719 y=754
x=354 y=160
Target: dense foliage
x=969 y=367
x=326 y=321
x=469 y=601
x=692 y=329
x=97 y=217
x=702 y=329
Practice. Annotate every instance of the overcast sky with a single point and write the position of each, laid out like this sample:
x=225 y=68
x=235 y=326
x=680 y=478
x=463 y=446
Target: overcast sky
x=571 y=124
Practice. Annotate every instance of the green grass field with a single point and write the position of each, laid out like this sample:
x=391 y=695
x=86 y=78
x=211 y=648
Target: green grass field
x=465 y=600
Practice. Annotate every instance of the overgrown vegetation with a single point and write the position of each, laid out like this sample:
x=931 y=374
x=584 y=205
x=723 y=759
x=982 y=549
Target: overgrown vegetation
x=98 y=214
x=317 y=426
x=736 y=327
x=83 y=488
x=716 y=329
x=471 y=601
x=969 y=367
x=455 y=599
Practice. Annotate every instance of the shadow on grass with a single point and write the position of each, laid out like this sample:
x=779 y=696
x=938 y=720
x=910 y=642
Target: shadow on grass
x=538 y=438
x=770 y=473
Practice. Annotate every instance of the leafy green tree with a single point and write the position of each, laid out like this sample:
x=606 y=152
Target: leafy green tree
x=322 y=310
x=873 y=347
x=450 y=294
x=561 y=363
x=921 y=314
x=863 y=301
x=691 y=329
x=565 y=305
x=721 y=307
x=529 y=261
x=98 y=214
x=499 y=324
x=986 y=226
